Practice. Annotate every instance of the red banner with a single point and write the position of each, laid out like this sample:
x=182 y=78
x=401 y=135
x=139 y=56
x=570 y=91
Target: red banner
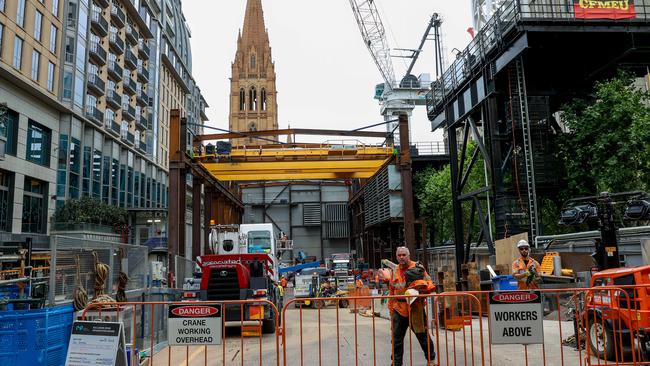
x=604 y=9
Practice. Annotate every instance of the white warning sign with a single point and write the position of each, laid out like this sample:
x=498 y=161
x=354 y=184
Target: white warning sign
x=516 y=317
x=194 y=325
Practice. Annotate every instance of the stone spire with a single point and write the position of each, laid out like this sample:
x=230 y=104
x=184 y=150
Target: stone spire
x=254 y=29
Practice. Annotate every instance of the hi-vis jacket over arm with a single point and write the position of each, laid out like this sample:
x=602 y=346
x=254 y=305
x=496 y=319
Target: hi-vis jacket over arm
x=398 y=286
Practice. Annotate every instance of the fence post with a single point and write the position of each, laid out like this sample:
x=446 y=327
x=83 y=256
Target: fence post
x=53 y=253
x=111 y=263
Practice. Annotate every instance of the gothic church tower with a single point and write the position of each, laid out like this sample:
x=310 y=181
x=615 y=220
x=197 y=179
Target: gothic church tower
x=253 y=103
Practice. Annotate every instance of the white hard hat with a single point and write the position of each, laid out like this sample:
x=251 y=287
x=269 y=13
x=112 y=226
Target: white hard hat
x=522 y=243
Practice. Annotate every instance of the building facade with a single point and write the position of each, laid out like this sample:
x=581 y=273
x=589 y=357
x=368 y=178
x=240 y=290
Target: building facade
x=253 y=94
x=88 y=86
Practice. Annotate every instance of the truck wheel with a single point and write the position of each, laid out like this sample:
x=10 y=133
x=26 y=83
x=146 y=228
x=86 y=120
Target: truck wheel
x=343 y=303
x=268 y=326
x=601 y=340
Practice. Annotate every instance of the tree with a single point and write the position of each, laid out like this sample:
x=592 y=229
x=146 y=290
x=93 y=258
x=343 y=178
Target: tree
x=606 y=146
x=90 y=210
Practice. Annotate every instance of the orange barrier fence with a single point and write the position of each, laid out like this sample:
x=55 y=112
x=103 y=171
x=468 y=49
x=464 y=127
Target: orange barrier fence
x=576 y=327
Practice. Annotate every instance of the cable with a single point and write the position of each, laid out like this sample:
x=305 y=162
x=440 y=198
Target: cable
x=376 y=124
x=244 y=134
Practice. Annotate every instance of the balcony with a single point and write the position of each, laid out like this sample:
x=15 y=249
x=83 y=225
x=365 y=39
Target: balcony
x=115 y=70
x=98 y=23
x=96 y=85
x=128 y=113
x=102 y=3
x=130 y=61
x=142 y=99
x=112 y=127
x=129 y=85
x=118 y=16
x=116 y=43
x=144 y=49
x=143 y=74
x=142 y=123
x=142 y=146
x=113 y=99
x=131 y=34
x=129 y=138
x=97 y=53
x=94 y=114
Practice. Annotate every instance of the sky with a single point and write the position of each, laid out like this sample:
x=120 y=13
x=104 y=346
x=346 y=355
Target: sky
x=325 y=74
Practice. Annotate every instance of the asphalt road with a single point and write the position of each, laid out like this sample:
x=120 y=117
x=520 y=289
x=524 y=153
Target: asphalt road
x=358 y=340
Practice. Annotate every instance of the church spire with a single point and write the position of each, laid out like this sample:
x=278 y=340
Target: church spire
x=254 y=28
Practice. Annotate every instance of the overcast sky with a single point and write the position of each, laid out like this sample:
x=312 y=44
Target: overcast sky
x=325 y=74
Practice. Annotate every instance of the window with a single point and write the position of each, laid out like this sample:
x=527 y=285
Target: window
x=34 y=206
x=38 y=25
x=6 y=201
x=97 y=173
x=75 y=164
x=9 y=129
x=252 y=99
x=263 y=99
x=2 y=36
x=62 y=165
x=253 y=62
x=50 y=76
x=18 y=52
x=122 y=185
x=67 y=85
x=2 y=6
x=53 y=33
x=55 y=7
x=106 y=179
x=242 y=100
x=38 y=143
x=115 y=170
x=36 y=60
x=20 y=13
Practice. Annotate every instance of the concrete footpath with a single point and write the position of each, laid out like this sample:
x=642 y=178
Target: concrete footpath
x=317 y=338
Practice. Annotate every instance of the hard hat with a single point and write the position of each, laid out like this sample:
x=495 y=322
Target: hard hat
x=522 y=243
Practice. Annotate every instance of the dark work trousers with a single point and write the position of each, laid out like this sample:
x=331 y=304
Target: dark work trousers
x=400 y=326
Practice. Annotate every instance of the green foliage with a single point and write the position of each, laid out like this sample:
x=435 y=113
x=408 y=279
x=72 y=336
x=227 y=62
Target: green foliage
x=433 y=192
x=606 y=146
x=90 y=210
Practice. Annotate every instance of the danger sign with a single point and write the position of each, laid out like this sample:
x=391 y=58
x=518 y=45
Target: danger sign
x=194 y=325
x=516 y=317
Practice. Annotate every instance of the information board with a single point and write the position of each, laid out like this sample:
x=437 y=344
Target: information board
x=194 y=325
x=516 y=317
x=96 y=343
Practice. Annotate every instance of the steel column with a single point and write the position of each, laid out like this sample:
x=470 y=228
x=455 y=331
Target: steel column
x=407 y=183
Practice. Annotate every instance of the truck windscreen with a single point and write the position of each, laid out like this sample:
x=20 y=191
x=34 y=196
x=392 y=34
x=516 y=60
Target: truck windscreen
x=259 y=242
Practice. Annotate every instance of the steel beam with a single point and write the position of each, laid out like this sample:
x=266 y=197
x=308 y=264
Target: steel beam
x=289 y=131
x=407 y=184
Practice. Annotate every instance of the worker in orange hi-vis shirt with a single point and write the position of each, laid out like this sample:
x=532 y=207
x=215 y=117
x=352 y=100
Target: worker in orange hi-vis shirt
x=408 y=275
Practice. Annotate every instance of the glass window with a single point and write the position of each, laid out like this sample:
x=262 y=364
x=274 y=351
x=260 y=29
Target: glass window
x=34 y=206
x=50 y=76
x=53 y=33
x=18 y=52
x=97 y=173
x=122 y=185
x=38 y=25
x=67 y=85
x=129 y=188
x=86 y=172
x=9 y=129
x=62 y=165
x=115 y=171
x=106 y=179
x=143 y=191
x=38 y=143
x=78 y=90
x=6 y=201
x=36 y=61
x=55 y=7
x=2 y=6
x=259 y=241
x=136 y=190
x=20 y=13
x=2 y=36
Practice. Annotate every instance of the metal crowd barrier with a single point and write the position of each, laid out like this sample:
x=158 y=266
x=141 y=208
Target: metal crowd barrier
x=579 y=326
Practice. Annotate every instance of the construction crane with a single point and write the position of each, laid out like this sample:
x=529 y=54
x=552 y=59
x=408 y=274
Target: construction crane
x=394 y=98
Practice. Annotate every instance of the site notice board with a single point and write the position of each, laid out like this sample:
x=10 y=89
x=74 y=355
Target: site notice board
x=516 y=317
x=194 y=325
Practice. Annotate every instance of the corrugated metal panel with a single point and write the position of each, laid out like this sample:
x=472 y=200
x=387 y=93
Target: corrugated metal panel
x=336 y=221
x=311 y=214
x=377 y=199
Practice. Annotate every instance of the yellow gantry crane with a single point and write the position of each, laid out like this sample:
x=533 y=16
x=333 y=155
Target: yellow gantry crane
x=294 y=161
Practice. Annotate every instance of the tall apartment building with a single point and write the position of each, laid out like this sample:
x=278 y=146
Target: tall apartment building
x=87 y=87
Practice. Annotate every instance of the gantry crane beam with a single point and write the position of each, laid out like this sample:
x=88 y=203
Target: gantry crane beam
x=331 y=162
x=289 y=131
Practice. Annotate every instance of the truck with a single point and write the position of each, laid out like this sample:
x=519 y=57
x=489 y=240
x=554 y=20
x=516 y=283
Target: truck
x=616 y=318
x=243 y=266
x=342 y=265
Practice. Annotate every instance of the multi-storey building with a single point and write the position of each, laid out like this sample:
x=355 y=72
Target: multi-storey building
x=89 y=85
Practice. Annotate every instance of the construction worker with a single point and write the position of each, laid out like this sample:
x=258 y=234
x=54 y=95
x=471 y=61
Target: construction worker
x=524 y=268
x=359 y=282
x=400 y=308
x=283 y=281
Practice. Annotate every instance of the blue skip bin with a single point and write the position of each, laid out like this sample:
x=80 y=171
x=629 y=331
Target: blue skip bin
x=37 y=337
x=504 y=283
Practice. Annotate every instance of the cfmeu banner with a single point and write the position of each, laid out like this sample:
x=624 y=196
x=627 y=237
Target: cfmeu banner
x=604 y=9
